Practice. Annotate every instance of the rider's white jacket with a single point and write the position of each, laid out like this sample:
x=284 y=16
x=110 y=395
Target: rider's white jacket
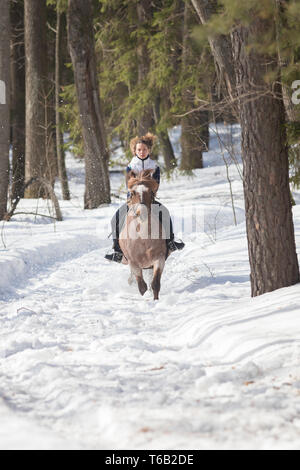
x=138 y=164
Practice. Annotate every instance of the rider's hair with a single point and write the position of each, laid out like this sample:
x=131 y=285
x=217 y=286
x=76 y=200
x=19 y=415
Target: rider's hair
x=148 y=139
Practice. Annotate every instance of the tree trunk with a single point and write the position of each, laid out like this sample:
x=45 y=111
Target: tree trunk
x=194 y=125
x=37 y=96
x=221 y=48
x=270 y=230
x=82 y=51
x=17 y=100
x=144 y=12
x=62 y=172
x=163 y=137
x=220 y=45
x=4 y=103
x=194 y=139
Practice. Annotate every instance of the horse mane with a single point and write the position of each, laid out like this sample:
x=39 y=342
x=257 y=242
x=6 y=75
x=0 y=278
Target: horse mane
x=146 y=178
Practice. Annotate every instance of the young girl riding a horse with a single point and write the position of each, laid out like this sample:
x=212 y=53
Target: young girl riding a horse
x=141 y=148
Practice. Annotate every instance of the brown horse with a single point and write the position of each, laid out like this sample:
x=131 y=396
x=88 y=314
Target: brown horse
x=142 y=238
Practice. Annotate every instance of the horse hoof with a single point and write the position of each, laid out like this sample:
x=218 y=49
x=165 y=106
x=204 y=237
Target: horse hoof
x=142 y=287
x=142 y=291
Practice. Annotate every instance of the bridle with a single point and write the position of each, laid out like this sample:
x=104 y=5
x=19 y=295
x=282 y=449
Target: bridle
x=152 y=194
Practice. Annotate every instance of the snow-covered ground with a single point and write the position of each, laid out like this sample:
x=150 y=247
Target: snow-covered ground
x=87 y=363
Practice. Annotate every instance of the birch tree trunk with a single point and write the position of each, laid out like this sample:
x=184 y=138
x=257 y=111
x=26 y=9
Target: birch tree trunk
x=4 y=104
x=82 y=51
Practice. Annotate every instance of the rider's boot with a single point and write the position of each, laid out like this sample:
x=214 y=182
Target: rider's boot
x=117 y=254
x=173 y=246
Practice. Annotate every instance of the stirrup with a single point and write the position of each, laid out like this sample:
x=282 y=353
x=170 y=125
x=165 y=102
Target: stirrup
x=173 y=246
x=116 y=256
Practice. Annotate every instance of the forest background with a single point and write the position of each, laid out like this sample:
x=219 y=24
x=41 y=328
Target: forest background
x=101 y=72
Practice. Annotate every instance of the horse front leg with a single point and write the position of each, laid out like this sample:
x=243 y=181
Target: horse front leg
x=138 y=273
x=157 y=272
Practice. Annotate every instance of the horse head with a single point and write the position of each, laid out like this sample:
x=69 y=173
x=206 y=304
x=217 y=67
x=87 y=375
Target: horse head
x=143 y=189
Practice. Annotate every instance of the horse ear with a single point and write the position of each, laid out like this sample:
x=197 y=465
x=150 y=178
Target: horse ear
x=131 y=174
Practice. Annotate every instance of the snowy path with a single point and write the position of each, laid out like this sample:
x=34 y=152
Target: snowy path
x=86 y=362
x=105 y=368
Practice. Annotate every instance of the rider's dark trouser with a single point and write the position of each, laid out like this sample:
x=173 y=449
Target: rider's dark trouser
x=118 y=220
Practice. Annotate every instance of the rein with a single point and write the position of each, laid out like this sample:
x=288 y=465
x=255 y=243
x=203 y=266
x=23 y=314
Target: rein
x=152 y=200
x=148 y=182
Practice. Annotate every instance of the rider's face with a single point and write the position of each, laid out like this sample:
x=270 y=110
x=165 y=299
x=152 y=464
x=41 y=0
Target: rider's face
x=142 y=151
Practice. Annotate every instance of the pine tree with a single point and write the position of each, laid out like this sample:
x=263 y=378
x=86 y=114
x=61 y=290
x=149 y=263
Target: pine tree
x=139 y=55
x=38 y=124
x=270 y=230
x=288 y=43
x=220 y=44
x=82 y=50
x=194 y=124
x=144 y=21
